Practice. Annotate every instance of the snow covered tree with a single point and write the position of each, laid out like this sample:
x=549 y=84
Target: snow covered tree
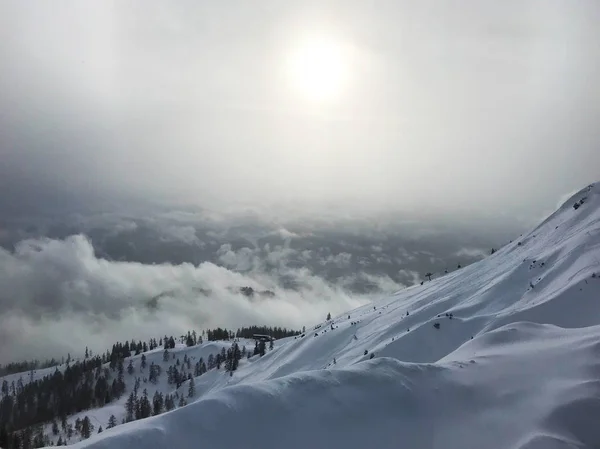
x=328 y=316
x=143 y=363
x=100 y=429
x=166 y=355
x=55 y=430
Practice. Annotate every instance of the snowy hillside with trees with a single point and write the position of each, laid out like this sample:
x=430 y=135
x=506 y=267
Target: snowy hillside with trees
x=504 y=353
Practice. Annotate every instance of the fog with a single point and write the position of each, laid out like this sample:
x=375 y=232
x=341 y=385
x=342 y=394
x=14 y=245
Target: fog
x=156 y=157
x=94 y=278
x=490 y=107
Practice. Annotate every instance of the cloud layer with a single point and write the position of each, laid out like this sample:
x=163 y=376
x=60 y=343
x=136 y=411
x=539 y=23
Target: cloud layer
x=76 y=280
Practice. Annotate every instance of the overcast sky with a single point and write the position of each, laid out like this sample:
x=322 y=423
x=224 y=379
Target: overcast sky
x=490 y=106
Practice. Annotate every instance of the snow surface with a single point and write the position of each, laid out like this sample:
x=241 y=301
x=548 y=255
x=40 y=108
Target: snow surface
x=517 y=365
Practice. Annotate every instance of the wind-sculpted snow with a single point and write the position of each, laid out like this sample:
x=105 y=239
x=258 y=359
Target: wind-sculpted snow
x=502 y=354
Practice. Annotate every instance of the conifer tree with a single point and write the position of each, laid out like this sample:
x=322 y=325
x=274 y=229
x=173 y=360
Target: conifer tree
x=86 y=428
x=130 y=367
x=112 y=422
x=192 y=389
x=157 y=403
x=130 y=407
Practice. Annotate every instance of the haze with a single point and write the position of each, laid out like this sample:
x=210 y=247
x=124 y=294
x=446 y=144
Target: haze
x=490 y=106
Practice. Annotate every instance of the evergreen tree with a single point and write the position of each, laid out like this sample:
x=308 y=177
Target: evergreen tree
x=86 y=428
x=189 y=340
x=55 y=430
x=271 y=346
x=143 y=363
x=130 y=367
x=169 y=402
x=112 y=422
x=261 y=348
x=182 y=402
x=130 y=407
x=328 y=316
x=166 y=355
x=157 y=403
x=144 y=406
x=192 y=388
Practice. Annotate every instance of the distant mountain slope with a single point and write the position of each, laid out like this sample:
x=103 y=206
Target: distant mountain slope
x=471 y=359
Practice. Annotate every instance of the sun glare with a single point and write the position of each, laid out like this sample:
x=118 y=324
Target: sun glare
x=318 y=69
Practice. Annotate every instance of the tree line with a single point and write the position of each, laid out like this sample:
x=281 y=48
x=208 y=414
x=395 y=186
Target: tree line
x=98 y=380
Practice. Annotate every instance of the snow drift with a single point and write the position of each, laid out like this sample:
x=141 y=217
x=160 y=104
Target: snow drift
x=504 y=353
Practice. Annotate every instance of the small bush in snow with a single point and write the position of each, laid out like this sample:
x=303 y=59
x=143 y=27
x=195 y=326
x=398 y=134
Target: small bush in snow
x=436 y=325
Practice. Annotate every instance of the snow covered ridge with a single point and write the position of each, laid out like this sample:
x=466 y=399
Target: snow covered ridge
x=504 y=353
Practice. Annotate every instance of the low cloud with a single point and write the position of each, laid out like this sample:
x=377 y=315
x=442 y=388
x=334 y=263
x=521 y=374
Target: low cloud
x=77 y=280
x=57 y=296
x=472 y=252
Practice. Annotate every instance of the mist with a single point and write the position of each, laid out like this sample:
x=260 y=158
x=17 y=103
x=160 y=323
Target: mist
x=489 y=109
x=95 y=278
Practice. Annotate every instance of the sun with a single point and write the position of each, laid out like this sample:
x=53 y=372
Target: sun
x=318 y=69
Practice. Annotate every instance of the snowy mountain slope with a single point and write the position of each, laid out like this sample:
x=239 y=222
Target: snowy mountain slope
x=530 y=386
x=487 y=394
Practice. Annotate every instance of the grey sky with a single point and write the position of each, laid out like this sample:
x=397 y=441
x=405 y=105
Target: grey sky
x=490 y=106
